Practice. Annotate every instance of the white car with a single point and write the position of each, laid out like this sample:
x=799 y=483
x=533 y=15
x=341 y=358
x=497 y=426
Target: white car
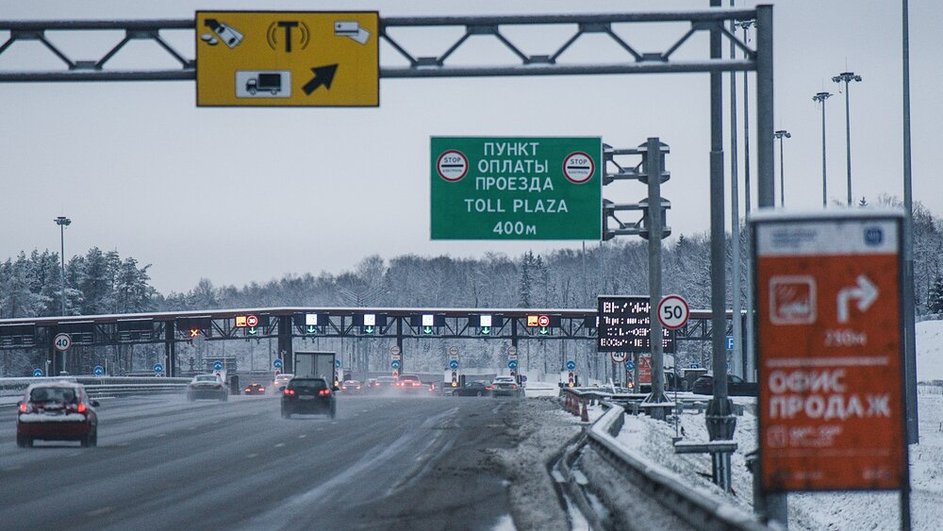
x=281 y=380
x=506 y=386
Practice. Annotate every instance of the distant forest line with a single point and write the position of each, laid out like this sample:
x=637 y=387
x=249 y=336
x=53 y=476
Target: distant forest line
x=102 y=282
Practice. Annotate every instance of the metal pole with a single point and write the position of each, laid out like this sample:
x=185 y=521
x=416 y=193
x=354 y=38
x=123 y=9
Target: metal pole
x=910 y=358
x=748 y=201
x=780 y=135
x=848 y=139
x=720 y=422
x=775 y=505
x=821 y=97
x=847 y=77
x=654 y=164
x=734 y=217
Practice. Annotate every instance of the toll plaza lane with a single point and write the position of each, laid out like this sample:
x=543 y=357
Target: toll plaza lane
x=163 y=463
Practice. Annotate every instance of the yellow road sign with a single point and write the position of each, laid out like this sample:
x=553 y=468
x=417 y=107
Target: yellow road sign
x=293 y=59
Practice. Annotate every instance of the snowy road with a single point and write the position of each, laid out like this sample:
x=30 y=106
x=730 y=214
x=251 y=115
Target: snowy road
x=424 y=463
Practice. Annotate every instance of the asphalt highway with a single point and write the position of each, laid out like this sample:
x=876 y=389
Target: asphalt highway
x=165 y=463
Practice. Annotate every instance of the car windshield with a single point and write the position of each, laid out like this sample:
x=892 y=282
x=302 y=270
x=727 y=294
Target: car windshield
x=206 y=378
x=53 y=394
x=409 y=377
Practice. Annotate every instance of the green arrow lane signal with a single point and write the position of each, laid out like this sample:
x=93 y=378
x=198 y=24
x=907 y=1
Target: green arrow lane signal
x=253 y=331
x=544 y=330
x=486 y=330
x=427 y=330
x=312 y=329
x=368 y=329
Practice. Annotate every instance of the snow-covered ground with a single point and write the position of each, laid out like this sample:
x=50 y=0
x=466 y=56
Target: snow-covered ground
x=651 y=440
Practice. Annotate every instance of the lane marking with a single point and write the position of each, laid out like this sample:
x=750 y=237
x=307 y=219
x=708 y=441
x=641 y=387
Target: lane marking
x=251 y=456
x=279 y=445
x=99 y=512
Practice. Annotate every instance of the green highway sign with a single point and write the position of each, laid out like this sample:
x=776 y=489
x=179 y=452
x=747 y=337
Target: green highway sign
x=516 y=188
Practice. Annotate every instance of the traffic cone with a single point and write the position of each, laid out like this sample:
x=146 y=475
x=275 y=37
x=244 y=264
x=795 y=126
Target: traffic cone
x=584 y=413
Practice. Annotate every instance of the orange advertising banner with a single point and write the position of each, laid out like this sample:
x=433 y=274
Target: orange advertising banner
x=830 y=351
x=645 y=369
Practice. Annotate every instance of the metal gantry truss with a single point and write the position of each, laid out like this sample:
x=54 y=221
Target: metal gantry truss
x=399 y=38
x=287 y=324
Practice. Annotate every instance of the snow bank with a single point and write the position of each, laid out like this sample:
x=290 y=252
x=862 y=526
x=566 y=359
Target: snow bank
x=929 y=343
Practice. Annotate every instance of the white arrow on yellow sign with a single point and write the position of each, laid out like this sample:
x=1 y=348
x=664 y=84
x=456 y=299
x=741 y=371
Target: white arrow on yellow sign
x=291 y=59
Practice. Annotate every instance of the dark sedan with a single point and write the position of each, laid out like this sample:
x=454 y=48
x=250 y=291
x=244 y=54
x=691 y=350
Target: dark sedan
x=736 y=386
x=254 y=389
x=474 y=388
x=308 y=396
x=56 y=411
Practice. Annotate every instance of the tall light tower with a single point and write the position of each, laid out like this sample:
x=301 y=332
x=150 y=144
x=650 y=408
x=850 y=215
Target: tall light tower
x=847 y=77
x=63 y=222
x=781 y=134
x=820 y=98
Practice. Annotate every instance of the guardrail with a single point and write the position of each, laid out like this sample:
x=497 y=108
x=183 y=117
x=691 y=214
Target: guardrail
x=693 y=507
x=98 y=386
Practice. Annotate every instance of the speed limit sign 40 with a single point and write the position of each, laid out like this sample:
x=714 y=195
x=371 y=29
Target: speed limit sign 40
x=62 y=342
x=673 y=312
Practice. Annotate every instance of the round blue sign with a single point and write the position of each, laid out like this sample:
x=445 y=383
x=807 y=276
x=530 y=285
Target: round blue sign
x=692 y=365
x=158 y=367
x=277 y=363
x=570 y=365
x=394 y=364
x=630 y=365
x=99 y=370
x=453 y=364
x=337 y=363
x=512 y=364
x=37 y=372
x=217 y=365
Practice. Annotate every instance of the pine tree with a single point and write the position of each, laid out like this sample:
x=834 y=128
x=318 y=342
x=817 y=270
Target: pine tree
x=935 y=297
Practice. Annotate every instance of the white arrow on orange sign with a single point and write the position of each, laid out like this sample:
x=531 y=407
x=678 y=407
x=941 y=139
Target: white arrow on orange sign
x=865 y=292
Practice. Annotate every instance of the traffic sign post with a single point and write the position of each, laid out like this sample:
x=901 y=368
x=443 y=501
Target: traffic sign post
x=99 y=370
x=516 y=188
x=37 y=372
x=829 y=350
x=295 y=59
x=276 y=363
x=217 y=365
x=618 y=357
x=453 y=364
x=158 y=368
x=625 y=325
x=570 y=365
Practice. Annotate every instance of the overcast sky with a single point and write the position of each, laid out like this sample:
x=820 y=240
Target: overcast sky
x=239 y=195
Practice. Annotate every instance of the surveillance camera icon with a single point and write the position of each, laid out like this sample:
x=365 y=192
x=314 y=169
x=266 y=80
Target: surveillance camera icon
x=352 y=30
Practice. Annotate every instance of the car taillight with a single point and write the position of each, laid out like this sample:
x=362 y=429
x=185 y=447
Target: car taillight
x=489 y=387
x=24 y=407
x=81 y=408
x=262 y=389
x=513 y=386
x=324 y=392
x=289 y=392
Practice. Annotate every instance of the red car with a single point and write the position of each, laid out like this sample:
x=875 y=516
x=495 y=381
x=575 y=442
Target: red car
x=410 y=383
x=56 y=411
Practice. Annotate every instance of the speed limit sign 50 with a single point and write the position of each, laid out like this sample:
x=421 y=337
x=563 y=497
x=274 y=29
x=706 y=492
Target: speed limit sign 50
x=673 y=312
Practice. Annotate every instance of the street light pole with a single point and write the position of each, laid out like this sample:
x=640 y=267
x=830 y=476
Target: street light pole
x=782 y=133
x=820 y=98
x=847 y=77
x=63 y=222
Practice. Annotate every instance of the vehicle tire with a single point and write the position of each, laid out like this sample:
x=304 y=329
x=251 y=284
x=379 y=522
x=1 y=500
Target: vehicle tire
x=93 y=438
x=286 y=414
x=333 y=411
x=478 y=393
x=85 y=440
x=190 y=398
x=224 y=398
x=23 y=441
